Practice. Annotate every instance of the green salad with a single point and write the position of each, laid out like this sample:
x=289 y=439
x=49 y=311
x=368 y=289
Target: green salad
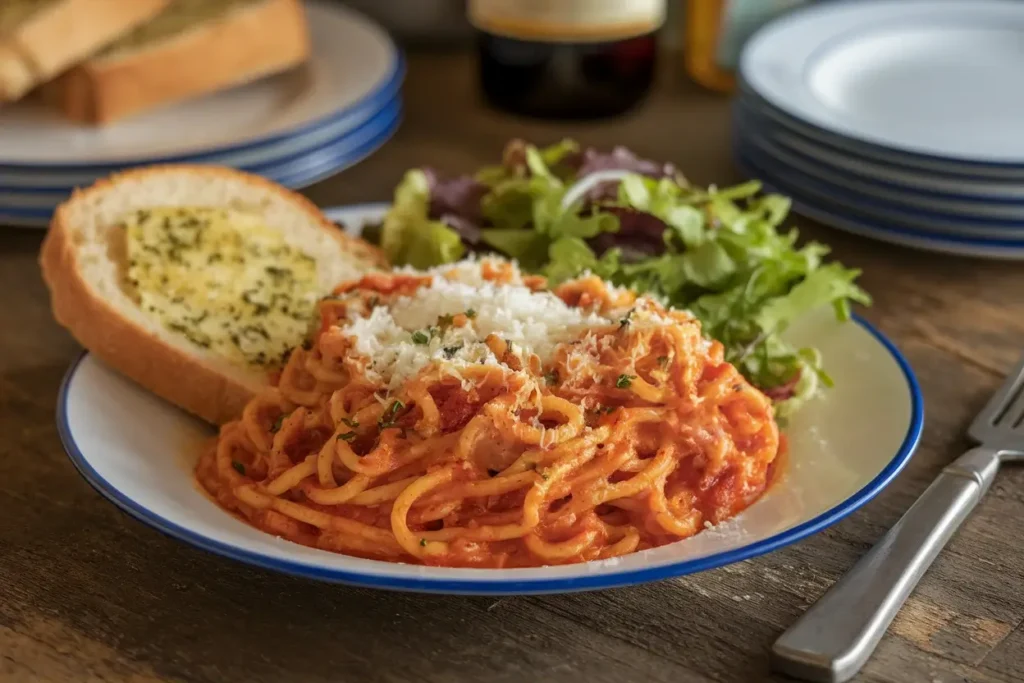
x=720 y=253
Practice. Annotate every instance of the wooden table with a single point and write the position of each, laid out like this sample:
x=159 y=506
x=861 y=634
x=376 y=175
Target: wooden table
x=86 y=593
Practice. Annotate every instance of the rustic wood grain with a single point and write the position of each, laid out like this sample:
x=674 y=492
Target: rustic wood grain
x=87 y=594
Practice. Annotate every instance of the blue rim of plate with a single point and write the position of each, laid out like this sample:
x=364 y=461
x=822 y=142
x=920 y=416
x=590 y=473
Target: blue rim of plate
x=820 y=177
x=757 y=170
x=381 y=93
x=341 y=147
x=754 y=120
x=958 y=170
x=304 y=175
x=511 y=587
x=816 y=8
x=257 y=157
x=863 y=204
x=350 y=142
x=327 y=169
x=882 y=156
x=874 y=230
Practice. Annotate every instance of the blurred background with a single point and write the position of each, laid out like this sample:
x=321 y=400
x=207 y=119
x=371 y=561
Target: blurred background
x=847 y=106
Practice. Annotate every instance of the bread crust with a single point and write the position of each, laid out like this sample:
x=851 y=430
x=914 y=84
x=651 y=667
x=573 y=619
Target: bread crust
x=133 y=350
x=60 y=35
x=252 y=42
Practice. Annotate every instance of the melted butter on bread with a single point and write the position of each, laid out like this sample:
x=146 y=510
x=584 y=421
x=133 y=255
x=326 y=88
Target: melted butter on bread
x=222 y=279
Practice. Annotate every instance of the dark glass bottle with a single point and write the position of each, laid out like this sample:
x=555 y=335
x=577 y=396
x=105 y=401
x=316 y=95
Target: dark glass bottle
x=577 y=65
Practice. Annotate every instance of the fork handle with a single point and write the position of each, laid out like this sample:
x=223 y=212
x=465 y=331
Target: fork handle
x=836 y=636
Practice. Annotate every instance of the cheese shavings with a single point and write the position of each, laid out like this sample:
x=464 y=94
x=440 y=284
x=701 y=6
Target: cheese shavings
x=530 y=323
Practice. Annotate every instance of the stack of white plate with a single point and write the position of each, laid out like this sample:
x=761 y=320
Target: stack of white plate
x=294 y=128
x=900 y=120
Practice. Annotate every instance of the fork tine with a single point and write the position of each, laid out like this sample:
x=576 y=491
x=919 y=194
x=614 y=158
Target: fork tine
x=1005 y=409
x=1014 y=414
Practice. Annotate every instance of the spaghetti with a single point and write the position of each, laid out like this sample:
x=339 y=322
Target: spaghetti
x=540 y=428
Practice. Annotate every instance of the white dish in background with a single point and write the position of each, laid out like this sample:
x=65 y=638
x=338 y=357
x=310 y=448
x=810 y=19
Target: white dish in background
x=942 y=168
x=984 y=191
x=318 y=167
x=996 y=221
x=139 y=451
x=991 y=193
x=352 y=59
x=344 y=147
x=58 y=181
x=936 y=78
x=826 y=212
x=296 y=174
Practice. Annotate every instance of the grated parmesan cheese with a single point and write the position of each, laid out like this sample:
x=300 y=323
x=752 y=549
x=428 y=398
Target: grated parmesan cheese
x=534 y=323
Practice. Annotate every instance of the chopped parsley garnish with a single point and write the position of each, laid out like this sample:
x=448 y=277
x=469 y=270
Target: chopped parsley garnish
x=388 y=418
x=450 y=351
x=423 y=543
x=420 y=337
x=350 y=422
x=239 y=467
x=347 y=436
x=624 y=381
x=274 y=271
x=624 y=322
x=470 y=313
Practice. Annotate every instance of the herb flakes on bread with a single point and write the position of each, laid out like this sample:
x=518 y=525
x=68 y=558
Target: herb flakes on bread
x=194 y=281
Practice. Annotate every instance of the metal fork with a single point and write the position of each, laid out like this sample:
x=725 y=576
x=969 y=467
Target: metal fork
x=836 y=636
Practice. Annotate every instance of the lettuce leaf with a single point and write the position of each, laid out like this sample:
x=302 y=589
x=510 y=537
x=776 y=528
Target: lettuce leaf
x=409 y=236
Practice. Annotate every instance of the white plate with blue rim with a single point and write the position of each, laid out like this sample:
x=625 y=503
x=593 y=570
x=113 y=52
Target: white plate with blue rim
x=971 y=194
x=343 y=149
x=139 y=451
x=951 y=170
x=49 y=182
x=352 y=62
x=986 y=191
x=825 y=209
x=22 y=211
x=926 y=79
x=860 y=199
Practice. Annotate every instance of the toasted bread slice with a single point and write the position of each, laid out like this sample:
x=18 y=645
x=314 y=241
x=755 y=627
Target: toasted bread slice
x=192 y=48
x=41 y=38
x=87 y=266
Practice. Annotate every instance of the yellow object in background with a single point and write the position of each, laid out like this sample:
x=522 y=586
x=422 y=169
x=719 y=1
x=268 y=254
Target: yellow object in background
x=714 y=32
x=701 y=30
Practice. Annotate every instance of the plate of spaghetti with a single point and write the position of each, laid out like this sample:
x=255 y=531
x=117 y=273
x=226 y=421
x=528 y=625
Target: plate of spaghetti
x=474 y=428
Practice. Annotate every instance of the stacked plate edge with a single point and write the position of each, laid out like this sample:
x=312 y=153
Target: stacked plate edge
x=294 y=128
x=896 y=120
